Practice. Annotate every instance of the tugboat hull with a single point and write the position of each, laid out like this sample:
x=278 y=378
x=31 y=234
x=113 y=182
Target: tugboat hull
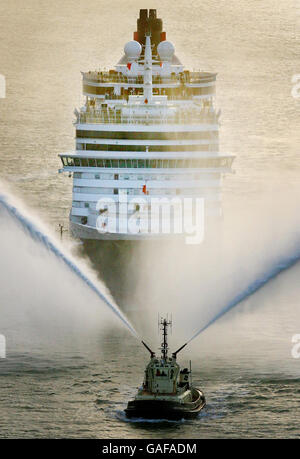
x=163 y=409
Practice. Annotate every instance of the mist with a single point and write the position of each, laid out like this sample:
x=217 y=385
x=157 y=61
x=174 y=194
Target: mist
x=196 y=283
x=44 y=304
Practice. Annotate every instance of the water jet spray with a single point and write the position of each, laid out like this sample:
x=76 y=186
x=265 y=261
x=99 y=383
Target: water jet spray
x=282 y=265
x=38 y=235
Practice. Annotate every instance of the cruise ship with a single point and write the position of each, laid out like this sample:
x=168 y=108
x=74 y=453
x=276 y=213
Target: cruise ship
x=147 y=143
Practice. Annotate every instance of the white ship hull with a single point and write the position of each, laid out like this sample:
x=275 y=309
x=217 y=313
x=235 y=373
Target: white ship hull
x=85 y=232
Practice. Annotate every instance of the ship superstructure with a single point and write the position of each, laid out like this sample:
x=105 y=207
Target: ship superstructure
x=147 y=134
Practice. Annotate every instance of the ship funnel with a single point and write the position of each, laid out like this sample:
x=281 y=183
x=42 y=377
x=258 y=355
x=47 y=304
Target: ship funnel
x=148 y=22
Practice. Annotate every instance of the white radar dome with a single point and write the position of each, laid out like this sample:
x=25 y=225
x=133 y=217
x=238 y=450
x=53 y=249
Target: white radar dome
x=132 y=49
x=166 y=50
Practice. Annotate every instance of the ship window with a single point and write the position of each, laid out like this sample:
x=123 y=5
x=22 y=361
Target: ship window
x=77 y=162
x=64 y=160
x=70 y=162
x=86 y=204
x=145 y=163
x=97 y=176
x=158 y=148
x=80 y=134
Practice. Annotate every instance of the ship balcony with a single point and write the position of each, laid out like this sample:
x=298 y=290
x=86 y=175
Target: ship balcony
x=113 y=76
x=126 y=162
x=181 y=118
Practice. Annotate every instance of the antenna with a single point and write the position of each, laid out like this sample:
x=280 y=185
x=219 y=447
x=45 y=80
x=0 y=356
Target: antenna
x=61 y=230
x=164 y=324
x=191 y=377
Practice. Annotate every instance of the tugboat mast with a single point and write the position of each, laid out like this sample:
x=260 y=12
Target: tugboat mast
x=164 y=345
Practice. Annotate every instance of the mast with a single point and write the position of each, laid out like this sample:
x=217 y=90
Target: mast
x=148 y=71
x=165 y=323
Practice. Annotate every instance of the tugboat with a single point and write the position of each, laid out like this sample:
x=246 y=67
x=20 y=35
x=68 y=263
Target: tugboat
x=167 y=391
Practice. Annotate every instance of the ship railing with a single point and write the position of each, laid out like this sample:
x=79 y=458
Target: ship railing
x=95 y=78
x=89 y=119
x=113 y=75
x=132 y=80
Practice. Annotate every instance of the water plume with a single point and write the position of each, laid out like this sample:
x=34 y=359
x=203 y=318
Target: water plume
x=199 y=284
x=283 y=265
x=37 y=234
